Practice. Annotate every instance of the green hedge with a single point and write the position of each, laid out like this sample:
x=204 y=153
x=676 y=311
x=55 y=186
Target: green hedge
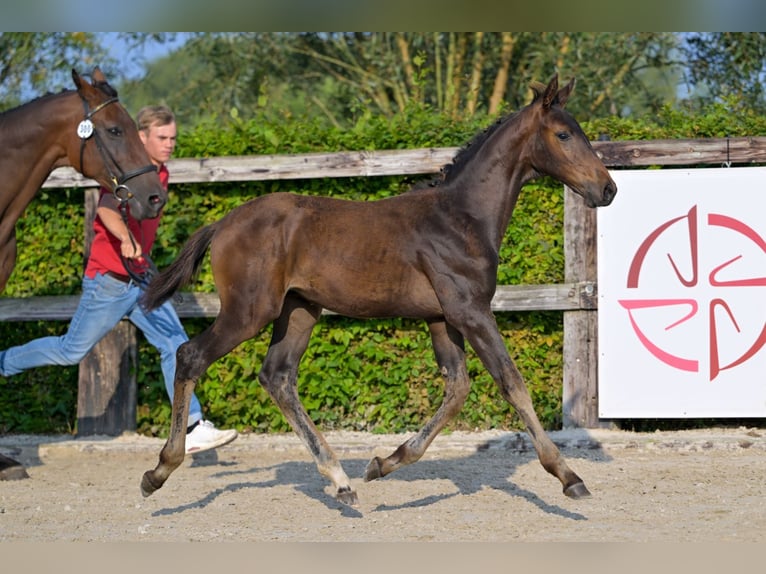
x=377 y=376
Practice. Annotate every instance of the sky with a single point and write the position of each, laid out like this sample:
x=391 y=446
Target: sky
x=132 y=60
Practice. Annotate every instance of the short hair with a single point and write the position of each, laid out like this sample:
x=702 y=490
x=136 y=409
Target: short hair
x=149 y=116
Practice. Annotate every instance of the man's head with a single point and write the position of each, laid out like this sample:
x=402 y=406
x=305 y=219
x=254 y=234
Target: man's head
x=157 y=129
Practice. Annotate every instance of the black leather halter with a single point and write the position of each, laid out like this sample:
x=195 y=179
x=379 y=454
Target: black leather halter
x=120 y=181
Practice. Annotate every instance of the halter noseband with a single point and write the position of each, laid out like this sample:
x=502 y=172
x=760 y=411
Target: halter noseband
x=85 y=130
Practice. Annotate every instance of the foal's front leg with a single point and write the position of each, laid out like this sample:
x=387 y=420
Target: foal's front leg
x=7 y=256
x=486 y=340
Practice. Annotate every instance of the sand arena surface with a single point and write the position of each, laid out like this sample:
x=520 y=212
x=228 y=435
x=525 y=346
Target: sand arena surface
x=690 y=486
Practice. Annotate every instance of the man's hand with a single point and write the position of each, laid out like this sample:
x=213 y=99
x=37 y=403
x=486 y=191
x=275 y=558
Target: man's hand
x=130 y=249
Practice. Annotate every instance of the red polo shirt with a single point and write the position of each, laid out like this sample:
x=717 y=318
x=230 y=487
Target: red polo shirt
x=105 y=250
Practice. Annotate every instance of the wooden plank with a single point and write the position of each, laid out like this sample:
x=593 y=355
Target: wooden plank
x=580 y=394
x=311 y=166
x=569 y=296
x=287 y=166
x=709 y=151
x=580 y=385
x=106 y=393
x=38 y=308
x=564 y=297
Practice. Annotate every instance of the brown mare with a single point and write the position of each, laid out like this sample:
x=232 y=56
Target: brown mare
x=87 y=129
x=430 y=253
x=44 y=134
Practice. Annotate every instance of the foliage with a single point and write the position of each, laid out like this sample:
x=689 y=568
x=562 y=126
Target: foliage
x=338 y=76
x=37 y=61
x=378 y=376
x=727 y=64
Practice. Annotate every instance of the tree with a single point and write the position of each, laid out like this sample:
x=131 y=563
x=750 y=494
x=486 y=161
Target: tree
x=727 y=64
x=340 y=75
x=32 y=63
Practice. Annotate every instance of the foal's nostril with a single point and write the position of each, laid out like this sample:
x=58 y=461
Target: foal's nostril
x=610 y=190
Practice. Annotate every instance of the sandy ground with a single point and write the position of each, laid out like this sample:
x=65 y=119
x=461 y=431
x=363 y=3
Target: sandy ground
x=691 y=486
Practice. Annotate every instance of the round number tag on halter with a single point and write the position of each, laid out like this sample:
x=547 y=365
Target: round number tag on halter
x=85 y=129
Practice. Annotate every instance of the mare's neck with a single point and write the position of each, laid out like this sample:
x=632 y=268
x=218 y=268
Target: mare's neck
x=35 y=142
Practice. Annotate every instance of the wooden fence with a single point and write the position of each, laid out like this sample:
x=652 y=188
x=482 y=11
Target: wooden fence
x=107 y=388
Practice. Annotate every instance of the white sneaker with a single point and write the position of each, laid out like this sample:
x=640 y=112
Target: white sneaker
x=205 y=436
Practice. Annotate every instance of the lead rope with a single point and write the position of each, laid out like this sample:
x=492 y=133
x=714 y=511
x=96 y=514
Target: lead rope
x=142 y=270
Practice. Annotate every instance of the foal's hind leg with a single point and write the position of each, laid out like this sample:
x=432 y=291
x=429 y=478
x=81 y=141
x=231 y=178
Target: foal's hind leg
x=279 y=376
x=450 y=355
x=193 y=359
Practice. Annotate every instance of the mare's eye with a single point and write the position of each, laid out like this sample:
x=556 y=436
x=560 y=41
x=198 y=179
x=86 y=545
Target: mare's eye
x=115 y=131
x=563 y=136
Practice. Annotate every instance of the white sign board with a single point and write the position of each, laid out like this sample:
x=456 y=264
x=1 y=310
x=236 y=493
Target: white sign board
x=682 y=294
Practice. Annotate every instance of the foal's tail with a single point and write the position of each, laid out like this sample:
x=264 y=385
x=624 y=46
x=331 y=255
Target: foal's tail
x=181 y=271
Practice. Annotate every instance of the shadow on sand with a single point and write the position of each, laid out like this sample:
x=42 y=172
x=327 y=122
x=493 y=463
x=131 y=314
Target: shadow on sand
x=492 y=465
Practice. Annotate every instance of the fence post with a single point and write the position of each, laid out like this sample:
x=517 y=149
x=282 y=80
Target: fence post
x=106 y=392
x=580 y=389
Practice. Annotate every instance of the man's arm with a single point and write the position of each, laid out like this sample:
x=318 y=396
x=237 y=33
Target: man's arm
x=109 y=212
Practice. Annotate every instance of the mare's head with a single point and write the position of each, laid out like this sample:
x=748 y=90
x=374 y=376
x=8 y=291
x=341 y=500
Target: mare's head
x=104 y=145
x=558 y=147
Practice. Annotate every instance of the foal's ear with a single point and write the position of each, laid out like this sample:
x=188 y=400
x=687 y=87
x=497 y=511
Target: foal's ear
x=538 y=88
x=546 y=92
x=564 y=93
x=552 y=95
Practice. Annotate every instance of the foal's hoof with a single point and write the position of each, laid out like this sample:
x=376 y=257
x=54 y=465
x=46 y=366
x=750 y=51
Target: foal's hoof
x=147 y=486
x=11 y=469
x=347 y=496
x=15 y=472
x=373 y=469
x=577 y=490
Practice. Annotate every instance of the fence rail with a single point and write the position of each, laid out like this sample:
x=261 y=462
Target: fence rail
x=741 y=150
x=563 y=297
x=106 y=396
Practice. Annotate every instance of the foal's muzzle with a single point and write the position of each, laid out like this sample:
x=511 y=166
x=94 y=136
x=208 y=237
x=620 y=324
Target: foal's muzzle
x=607 y=196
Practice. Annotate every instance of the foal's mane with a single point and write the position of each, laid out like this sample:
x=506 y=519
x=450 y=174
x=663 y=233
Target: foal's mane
x=464 y=155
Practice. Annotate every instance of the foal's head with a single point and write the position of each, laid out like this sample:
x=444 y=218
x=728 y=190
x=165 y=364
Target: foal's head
x=558 y=147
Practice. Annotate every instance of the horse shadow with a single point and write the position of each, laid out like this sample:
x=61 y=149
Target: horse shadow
x=493 y=464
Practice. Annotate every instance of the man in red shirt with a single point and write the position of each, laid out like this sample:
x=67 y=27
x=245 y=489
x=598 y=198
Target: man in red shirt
x=110 y=292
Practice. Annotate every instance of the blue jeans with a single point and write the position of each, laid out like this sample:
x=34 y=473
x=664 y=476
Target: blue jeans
x=104 y=302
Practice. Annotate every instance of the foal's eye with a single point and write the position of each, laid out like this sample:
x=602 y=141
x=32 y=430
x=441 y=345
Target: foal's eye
x=115 y=131
x=563 y=136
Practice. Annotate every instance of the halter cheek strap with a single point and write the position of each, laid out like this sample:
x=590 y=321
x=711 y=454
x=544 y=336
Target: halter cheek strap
x=86 y=130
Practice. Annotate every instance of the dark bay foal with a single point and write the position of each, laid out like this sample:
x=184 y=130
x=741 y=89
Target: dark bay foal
x=430 y=253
